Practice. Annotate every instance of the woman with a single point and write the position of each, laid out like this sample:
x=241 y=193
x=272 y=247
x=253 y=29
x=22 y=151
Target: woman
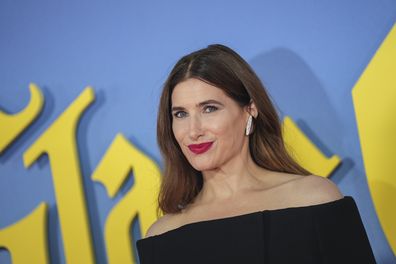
x=230 y=191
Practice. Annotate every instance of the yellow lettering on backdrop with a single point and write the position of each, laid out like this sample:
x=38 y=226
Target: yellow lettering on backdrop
x=120 y=159
x=305 y=152
x=13 y=125
x=27 y=239
x=374 y=98
x=376 y=129
x=59 y=141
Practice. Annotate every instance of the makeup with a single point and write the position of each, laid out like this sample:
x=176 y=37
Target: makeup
x=200 y=148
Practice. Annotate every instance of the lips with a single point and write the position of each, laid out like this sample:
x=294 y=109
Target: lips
x=200 y=148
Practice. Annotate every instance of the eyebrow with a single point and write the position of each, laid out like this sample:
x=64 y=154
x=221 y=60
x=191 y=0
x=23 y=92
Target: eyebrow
x=211 y=101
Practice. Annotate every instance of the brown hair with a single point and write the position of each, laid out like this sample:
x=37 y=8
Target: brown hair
x=222 y=67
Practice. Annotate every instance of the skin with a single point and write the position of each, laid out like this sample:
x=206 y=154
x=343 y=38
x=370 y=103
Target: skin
x=233 y=183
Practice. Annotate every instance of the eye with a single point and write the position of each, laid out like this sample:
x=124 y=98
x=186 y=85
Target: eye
x=180 y=114
x=210 y=108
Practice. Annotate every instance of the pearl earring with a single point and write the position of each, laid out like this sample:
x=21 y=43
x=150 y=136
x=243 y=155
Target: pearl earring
x=248 y=126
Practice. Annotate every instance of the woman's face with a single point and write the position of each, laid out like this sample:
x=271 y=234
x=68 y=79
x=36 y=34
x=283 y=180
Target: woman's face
x=208 y=125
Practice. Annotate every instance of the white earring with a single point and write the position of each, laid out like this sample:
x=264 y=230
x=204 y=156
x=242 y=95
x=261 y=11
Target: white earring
x=248 y=126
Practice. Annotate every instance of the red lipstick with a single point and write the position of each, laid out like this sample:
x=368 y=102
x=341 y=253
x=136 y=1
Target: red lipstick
x=200 y=148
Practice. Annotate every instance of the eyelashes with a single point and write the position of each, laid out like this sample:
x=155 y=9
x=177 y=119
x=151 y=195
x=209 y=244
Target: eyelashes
x=207 y=109
x=179 y=114
x=211 y=107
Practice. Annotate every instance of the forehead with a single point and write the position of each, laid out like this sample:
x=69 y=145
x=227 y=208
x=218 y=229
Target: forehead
x=193 y=91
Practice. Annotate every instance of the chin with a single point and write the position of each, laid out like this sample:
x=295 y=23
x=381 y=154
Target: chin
x=201 y=162
x=202 y=167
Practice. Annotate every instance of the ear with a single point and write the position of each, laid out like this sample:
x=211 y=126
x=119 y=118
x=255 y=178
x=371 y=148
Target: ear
x=252 y=109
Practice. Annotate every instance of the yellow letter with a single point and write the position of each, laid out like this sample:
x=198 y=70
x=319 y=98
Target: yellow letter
x=60 y=143
x=27 y=239
x=305 y=152
x=119 y=160
x=13 y=125
x=374 y=98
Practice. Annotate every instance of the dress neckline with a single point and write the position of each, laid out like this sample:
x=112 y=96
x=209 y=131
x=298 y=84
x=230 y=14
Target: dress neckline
x=279 y=210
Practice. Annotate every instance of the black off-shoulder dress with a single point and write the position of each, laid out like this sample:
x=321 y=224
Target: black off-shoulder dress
x=330 y=232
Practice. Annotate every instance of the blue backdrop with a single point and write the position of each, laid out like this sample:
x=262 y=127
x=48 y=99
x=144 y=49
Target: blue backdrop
x=309 y=54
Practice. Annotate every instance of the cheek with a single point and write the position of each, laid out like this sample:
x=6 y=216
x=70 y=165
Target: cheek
x=227 y=126
x=220 y=129
x=178 y=131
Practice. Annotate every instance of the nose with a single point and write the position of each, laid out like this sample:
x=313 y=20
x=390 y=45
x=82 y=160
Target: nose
x=195 y=127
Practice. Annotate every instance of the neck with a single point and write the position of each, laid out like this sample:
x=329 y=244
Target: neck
x=234 y=177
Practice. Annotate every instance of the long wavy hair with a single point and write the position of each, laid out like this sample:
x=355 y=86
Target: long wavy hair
x=222 y=67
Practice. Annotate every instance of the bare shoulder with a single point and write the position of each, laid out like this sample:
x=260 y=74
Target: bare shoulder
x=163 y=224
x=312 y=189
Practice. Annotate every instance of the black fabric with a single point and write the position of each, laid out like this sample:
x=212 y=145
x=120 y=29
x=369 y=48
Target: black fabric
x=330 y=232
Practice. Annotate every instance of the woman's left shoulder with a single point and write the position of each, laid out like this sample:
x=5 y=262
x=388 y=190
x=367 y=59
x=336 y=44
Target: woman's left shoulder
x=313 y=189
